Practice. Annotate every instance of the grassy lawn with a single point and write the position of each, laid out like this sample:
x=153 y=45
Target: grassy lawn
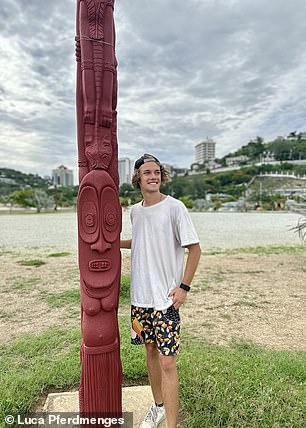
x=237 y=386
x=259 y=250
x=242 y=386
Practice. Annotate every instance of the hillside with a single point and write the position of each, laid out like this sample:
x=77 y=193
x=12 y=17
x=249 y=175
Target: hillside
x=272 y=184
x=280 y=149
x=11 y=180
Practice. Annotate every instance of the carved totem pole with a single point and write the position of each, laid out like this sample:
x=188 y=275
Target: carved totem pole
x=99 y=212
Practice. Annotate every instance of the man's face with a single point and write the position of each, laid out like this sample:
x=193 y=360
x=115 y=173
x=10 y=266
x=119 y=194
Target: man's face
x=150 y=177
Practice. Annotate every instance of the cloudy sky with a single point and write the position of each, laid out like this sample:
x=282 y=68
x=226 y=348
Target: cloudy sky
x=225 y=69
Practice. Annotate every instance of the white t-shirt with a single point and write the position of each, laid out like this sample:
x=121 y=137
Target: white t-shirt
x=159 y=233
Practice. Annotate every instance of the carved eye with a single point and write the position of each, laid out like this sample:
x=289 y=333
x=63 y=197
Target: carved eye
x=111 y=214
x=88 y=219
x=110 y=217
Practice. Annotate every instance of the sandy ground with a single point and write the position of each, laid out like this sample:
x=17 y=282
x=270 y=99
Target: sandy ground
x=251 y=297
x=256 y=298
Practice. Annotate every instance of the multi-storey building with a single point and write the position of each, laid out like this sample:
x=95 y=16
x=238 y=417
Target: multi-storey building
x=236 y=160
x=62 y=176
x=205 y=151
x=125 y=169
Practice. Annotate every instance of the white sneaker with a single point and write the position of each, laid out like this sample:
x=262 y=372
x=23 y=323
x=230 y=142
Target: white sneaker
x=154 y=417
x=160 y=414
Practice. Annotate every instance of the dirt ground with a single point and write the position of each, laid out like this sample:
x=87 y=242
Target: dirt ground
x=237 y=296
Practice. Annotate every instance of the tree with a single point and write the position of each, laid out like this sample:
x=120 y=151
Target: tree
x=23 y=198
x=37 y=198
x=281 y=149
x=125 y=189
x=253 y=149
x=186 y=201
x=41 y=200
x=196 y=187
x=66 y=195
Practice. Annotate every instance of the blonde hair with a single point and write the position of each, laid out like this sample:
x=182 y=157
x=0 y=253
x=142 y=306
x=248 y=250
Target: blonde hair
x=165 y=176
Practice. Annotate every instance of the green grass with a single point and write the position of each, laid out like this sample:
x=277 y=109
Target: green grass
x=125 y=289
x=24 y=283
x=33 y=262
x=72 y=296
x=225 y=317
x=241 y=386
x=34 y=365
x=4 y=251
x=67 y=297
x=62 y=254
x=246 y=272
x=245 y=303
x=260 y=250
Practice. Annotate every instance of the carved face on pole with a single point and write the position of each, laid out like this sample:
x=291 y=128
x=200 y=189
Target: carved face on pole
x=99 y=151
x=99 y=224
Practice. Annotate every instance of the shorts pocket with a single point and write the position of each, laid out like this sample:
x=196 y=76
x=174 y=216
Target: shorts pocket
x=172 y=314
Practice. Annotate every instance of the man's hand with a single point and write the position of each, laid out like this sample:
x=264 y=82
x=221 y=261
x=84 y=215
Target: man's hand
x=178 y=296
x=126 y=243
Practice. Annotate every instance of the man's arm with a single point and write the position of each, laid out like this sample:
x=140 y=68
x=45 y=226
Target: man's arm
x=178 y=294
x=193 y=258
x=126 y=243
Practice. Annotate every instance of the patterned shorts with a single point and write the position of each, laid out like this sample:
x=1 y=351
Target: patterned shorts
x=162 y=327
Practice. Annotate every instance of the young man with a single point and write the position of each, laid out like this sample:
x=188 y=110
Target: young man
x=161 y=230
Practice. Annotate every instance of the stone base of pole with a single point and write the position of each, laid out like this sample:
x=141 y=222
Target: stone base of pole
x=135 y=399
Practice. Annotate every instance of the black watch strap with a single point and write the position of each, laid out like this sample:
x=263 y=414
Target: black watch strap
x=185 y=287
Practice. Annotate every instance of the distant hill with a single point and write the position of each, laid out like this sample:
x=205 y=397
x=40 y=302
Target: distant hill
x=11 y=180
x=281 y=149
x=271 y=184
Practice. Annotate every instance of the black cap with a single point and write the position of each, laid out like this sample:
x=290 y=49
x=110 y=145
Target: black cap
x=145 y=158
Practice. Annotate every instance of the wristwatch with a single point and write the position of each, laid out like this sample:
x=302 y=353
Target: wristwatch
x=185 y=287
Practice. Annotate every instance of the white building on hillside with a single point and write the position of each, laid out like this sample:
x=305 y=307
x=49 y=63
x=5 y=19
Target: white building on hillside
x=235 y=160
x=125 y=169
x=62 y=176
x=205 y=151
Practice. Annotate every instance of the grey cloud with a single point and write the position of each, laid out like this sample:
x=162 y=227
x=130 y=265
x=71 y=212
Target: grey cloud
x=186 y=70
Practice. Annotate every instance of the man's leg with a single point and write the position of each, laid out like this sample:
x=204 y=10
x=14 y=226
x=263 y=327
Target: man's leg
x=170 y=388
x=154 y=371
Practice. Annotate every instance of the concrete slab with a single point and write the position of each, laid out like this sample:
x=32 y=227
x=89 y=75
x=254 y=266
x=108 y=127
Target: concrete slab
x=135 y=399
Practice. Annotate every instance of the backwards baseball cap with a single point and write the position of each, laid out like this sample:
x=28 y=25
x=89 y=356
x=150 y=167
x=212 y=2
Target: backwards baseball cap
x=145 y=158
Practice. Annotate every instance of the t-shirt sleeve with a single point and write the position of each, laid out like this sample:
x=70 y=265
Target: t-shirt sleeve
x=185 y=231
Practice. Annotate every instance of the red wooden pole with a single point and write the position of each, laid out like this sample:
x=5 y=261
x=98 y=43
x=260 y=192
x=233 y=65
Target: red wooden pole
x=99 y=212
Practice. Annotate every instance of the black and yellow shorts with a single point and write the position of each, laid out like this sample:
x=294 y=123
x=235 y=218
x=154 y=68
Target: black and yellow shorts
x=162 y=327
